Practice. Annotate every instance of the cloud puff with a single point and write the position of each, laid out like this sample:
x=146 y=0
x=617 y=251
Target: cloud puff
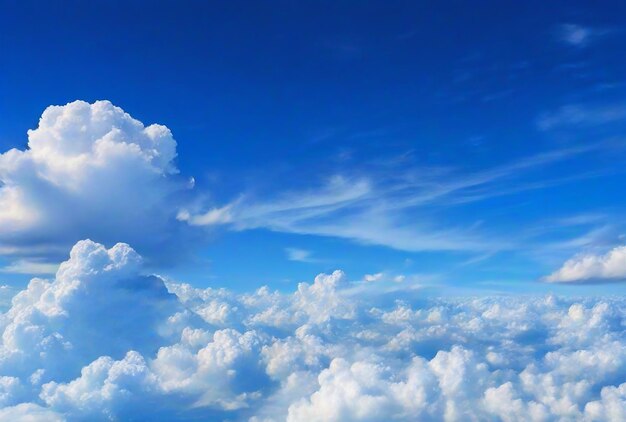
x=117 y=176
x=574 y=35
x=102 y=341
x=98 y=304
x=299 y=255
x=580 y=36
x=592 y=268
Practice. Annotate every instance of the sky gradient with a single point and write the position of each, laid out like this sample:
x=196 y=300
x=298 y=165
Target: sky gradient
x=312 y=211
x=474 y=146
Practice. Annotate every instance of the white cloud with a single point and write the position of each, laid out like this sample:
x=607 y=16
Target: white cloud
x=611 y=406
x=24 y=266
x=117 y=176
x=378 y=277
x=592 y=268
x=101 y=341
x=370 y=278
x=393 y=211
x=97 y=295
x=299 y=255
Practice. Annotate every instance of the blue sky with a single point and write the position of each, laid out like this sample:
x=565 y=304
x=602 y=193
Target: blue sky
x=312 y=211
x=462 y=147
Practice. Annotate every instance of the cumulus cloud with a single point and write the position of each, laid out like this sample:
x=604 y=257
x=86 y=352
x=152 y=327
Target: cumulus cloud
x=104 y=341
x=592 y=268
x=117 y=176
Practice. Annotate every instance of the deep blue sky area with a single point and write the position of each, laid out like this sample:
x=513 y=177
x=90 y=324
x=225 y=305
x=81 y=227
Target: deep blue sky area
x=491 y=133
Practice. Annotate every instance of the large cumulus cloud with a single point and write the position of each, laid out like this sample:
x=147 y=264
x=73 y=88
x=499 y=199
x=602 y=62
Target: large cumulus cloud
x=103 y=341
x=90 y=170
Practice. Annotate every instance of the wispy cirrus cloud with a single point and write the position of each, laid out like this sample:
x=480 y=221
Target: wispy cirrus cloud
x=24 y=266
x=395 y=209
x=577 y=115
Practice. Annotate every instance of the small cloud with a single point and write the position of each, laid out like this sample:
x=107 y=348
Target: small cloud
x=579 y=36
x=373 y=278
x=399 y=278
x=214 y=216
x=580 y=115
x=591 y=268
x=299 y=255
x=24 y=266
x=574 y=35
x=370 y=278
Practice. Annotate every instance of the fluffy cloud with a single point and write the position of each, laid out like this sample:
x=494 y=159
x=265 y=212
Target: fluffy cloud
x=117 y=176
x=97 y=295
x=592 y=268
x=102 y=341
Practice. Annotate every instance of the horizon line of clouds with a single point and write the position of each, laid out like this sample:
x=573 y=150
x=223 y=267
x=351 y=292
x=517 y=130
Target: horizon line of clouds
x=328 y=351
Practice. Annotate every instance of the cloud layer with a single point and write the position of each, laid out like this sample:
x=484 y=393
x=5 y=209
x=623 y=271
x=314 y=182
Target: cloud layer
x=117 y=176
x=101 y=341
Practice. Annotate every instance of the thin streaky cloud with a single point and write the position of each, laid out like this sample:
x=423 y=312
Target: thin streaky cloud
x=24 y=266
x=377 y=213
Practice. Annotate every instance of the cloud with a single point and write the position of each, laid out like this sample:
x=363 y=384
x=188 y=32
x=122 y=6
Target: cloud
x=117 y=176
x=97 y=295
x=396 y=212
x=24 y=266
x=299 y=255
x=579 y=36
x=574 y=35
x=103 y=341
x=578 y=115
x=378 y=277
x=592 y=268
x=370 y=278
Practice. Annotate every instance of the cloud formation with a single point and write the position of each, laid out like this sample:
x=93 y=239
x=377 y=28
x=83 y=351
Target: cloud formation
x=592 y=268
x=581 y=115
x=102 y=341
x=575 y=35
x=393 y=210
x=117 y=176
